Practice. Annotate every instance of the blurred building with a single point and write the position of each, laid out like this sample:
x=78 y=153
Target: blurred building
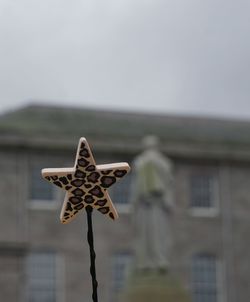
x=42 y=260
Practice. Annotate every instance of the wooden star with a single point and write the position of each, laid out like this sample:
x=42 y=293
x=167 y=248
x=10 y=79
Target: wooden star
x=86 y=183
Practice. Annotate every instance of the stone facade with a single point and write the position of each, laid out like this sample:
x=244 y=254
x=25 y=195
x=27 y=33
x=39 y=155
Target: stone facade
x=29 y=226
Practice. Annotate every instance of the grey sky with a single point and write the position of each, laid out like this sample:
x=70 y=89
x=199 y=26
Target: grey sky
x=186 y=56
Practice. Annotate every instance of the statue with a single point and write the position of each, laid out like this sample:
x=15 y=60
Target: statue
x=151 y=280
x=152 y=201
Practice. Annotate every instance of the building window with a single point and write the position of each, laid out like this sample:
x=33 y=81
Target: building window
x=41 y=277
x=203 y=190
x=40 y=190
x=120 y=269
x=204 y=278
x=120 y=192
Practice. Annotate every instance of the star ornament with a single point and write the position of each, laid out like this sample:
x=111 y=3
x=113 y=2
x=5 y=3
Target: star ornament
x=86 y=183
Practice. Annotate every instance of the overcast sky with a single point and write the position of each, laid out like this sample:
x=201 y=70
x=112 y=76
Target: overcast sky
x=172 y=56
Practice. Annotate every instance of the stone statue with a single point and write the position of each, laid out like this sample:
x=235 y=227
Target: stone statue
x=152 y=200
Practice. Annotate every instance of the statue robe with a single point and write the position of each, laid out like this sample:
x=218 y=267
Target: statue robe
x=152 y=202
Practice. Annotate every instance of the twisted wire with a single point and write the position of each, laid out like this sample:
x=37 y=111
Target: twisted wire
x=90 y=236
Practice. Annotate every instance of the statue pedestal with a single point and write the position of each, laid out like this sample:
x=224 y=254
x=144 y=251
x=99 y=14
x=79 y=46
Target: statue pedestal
x=154 y=287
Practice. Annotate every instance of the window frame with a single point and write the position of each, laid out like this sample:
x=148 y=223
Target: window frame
x=202 y=211
x=125 y=254
x=39 y=162
x=59 y=271
x=122 y=208
x=219 y=281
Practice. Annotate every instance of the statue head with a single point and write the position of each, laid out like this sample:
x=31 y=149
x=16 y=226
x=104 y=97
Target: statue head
x=150 y=142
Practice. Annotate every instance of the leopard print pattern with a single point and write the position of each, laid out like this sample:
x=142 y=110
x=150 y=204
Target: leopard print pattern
x=87 y=184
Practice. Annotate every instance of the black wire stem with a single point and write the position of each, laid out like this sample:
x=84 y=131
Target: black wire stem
x=89 y=211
